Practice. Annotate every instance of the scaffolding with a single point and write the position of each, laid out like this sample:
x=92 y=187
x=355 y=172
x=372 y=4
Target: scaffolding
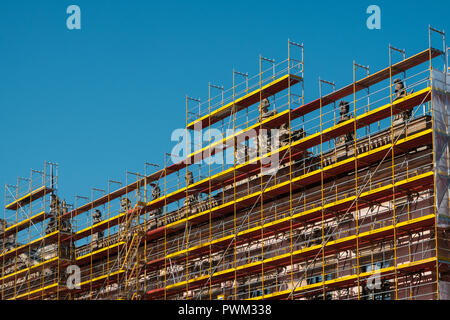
x=342 y=197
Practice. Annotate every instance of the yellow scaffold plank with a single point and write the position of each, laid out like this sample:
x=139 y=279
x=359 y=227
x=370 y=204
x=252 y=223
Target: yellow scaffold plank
x=29 y=244
x=23 y=223
x=302 y=177
x=293 y=145
x=102 y=277
x=87 y=231
x=29 y=197
x=305 y=250
x=94 y=253
x=51 y=286
x=29 y=269
x=179 y=223
x=345 y=278
x=225 y=110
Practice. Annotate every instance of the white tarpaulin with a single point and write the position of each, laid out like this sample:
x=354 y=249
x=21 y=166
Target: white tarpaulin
x=441 y=102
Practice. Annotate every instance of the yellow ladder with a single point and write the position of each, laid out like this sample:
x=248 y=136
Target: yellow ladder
x=132 y=260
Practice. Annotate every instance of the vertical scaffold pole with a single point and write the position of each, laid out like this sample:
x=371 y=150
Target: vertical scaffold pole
x=355 y=139
x=332 y=84
x=394 y=222
x=442 y=34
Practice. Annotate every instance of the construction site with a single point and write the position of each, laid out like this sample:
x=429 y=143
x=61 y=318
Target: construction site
x=344 y=197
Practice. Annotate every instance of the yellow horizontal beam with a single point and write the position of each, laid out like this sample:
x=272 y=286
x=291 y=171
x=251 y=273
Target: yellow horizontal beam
x=29 y=269
x=163 y=172
x=22 y=223
x=218 y=175
x=30 y=244
x=223 y=173
x=182 y=221
x=102 y=277
x=116 y=217
x=230 y=139
x=237 y=101
x=297 y=179
x=35 y=291
x=227 y=140
x=100 y=250
x=304 y=250
x=345 y=278
x=13 y=205
x=301 y=141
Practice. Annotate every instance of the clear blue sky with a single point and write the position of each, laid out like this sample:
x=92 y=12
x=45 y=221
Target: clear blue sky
x=104 y=99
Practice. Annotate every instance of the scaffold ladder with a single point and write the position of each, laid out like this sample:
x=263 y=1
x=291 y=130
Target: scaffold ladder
x=133 y=264
x=132 y=261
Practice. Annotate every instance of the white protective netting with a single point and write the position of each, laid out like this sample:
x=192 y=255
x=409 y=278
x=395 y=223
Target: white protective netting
x=441 y=102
